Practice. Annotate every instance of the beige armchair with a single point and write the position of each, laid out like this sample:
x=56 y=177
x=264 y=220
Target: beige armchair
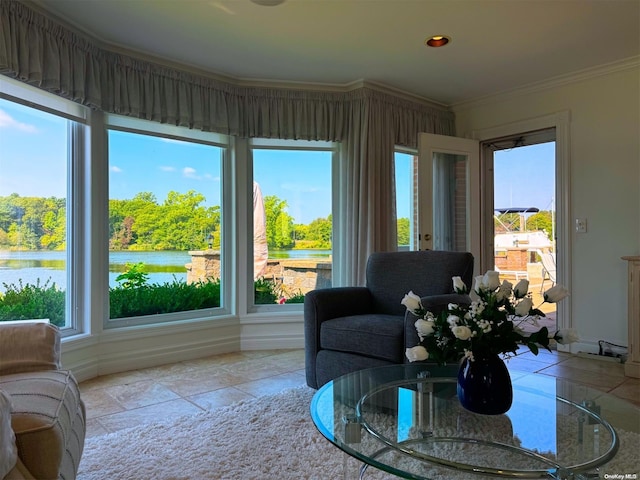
x=42 y=417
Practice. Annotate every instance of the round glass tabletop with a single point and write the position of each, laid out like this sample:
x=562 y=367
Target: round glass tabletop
x=407 y=420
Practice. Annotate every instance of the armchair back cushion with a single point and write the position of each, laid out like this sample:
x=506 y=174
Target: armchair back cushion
x=29 y=347
x=429 y=272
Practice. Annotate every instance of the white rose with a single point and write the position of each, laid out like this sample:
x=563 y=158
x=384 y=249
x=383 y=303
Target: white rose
x=566 y=335
x=412 y=302
x=458 y=285
x=524 y=307
x=416 y=354
x=491 y=280
x=424 y=327
x=462 y=332
x=504 y=291
x=478 y=285
x=555 y=294
x=452 y=306
x=521 y=288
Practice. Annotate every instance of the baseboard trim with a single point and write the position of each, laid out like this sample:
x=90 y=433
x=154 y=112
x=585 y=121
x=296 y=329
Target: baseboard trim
x=117 y=351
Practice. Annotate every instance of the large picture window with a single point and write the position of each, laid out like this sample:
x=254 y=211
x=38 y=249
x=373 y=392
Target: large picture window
x=36 y=160
x=292 y=219
x=165 y=222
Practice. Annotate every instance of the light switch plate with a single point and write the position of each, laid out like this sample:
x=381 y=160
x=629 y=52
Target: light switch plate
x=581 y=225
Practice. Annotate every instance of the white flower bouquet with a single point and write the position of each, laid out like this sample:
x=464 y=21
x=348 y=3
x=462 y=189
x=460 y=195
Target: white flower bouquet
x=490 y=325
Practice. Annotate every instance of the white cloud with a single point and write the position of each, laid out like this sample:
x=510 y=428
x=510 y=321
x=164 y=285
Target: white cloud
x=115 y=169
x=189 y=172
x=167 y=169
x=7 y=121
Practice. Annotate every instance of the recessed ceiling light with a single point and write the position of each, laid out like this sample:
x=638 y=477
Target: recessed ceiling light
x=437 y=41
x=268 y=3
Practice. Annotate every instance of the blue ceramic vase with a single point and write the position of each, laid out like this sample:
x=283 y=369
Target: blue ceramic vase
x=484 y=385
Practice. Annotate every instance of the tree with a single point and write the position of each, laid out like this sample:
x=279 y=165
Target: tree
x=319 y=230
x=404 y=231
x=541 y=221
x=279 y=223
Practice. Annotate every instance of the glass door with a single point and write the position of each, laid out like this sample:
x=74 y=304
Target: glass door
x=448 y=188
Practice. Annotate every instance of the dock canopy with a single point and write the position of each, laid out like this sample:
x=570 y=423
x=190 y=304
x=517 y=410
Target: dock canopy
x=518 y=210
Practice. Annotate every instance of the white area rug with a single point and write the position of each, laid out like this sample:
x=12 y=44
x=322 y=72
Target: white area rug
x=271 y=437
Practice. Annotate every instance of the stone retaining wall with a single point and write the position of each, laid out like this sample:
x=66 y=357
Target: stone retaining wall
x=291 y=276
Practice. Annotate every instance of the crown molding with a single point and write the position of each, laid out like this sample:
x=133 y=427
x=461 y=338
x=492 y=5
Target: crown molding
x=561 y=80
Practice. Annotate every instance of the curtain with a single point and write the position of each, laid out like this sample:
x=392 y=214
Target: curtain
x=40 y=51
x=444 y=190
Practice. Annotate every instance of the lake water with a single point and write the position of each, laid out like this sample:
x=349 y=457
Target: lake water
x=162 y=267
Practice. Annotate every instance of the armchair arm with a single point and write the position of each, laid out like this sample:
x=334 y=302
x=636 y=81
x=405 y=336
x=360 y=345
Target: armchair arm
x=324 y=304
x=28 y=347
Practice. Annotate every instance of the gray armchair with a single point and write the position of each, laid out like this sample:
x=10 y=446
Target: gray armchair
x=352 y=328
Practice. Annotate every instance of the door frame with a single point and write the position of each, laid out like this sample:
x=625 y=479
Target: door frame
x=559 y=121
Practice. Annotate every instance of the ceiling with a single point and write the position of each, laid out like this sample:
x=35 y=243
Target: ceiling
x=497 y=45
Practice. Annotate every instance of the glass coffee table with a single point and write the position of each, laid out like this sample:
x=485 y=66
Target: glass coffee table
x=406 y=420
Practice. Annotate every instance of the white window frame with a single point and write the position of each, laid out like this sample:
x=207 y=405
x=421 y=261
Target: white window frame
x=145 y=127
x=77 y=288
x=245 y=173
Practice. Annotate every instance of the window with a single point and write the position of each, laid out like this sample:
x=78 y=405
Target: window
x=39 y=151
x=292 y=219
x=406 y=199
x=166 y=235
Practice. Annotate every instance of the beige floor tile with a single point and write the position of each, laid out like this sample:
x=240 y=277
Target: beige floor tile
x=255 y=369
x=544 y=356
x=150 y=414
x=629 y=390
x=94 y=428
x=200 y=381
x=122 y=378
x=525 y=364
x=598 y=367
x=141 y=394
x=271 y=385
x=168 y=370
x=584 y=376
x=219 y=398
x=218 y=360
x=98 y=403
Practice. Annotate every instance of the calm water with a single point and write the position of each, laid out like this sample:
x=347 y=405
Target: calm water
x=162 y=267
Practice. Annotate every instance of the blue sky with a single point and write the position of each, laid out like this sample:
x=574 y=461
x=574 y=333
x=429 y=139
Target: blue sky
x=525 y=177
x=33 y=156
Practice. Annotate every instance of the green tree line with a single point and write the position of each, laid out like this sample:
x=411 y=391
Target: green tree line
x=32 y=223
x=181 y=222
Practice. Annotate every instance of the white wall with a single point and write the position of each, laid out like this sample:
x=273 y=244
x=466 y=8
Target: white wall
x=605 y=184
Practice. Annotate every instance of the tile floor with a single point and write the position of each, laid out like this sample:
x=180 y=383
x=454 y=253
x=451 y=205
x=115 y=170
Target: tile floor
x=137 y=397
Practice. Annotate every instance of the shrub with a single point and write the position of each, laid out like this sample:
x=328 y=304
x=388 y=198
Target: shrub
x=297 y=298
x=265 y=293
x=170 y=297
x=26 y=301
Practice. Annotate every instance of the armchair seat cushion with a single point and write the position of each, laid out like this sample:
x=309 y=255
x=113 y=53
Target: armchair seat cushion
x=374 y=335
